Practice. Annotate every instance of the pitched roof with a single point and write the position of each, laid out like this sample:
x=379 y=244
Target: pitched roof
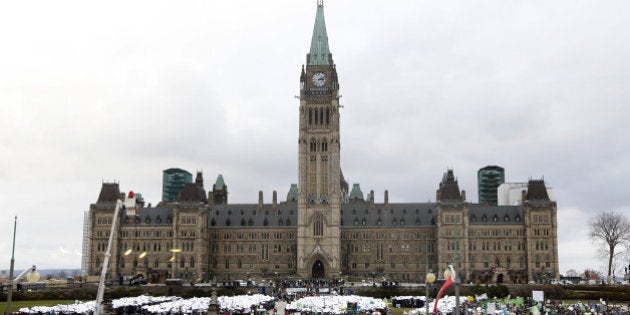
x=110 y=192
x=292 y=196
x=449 y=189
x=219 y=184
x=319 y=43
x=158 y=216
x=537 y=191
x=391 y=215
x=356 y=194
x=193 y=192
x=492 y=215
x=253 y=216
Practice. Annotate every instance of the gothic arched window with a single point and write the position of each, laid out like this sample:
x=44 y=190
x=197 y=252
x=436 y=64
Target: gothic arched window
x=318 y=226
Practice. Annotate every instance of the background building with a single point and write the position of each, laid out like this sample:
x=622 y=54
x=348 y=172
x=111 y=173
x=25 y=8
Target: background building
x=173 y=182
x=488 y=180
x=320 y=231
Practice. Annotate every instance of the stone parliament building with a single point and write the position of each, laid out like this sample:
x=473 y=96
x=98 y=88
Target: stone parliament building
x=323 y=229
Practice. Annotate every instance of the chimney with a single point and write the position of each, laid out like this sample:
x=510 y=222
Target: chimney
x=275 y=199
x=260 y=199
x=386 y=198
x=371 y=197
x=463 y=195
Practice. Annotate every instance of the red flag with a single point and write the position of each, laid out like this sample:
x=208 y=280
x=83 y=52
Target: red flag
x=445 y=286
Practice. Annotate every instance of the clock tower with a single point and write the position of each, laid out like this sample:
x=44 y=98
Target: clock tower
x=319 y=178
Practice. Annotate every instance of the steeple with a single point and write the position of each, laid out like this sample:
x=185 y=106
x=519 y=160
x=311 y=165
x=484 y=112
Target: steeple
x=319 y=53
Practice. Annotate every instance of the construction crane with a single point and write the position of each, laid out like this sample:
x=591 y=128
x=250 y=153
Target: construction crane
x=101 y=282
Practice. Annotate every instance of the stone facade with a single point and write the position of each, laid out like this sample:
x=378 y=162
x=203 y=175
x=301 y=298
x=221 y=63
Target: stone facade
x=320 y=231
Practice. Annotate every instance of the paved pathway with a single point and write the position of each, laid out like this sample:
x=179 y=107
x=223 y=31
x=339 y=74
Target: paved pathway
x=280 y=305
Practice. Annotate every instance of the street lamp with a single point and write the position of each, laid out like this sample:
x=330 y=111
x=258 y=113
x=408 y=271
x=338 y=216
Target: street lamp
x=429 y=279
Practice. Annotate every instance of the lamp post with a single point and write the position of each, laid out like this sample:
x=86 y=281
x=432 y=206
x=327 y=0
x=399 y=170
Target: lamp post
x=429 y=279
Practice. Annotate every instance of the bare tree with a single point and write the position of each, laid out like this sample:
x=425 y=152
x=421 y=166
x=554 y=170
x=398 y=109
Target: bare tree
x=572 y=273
x=612 y=231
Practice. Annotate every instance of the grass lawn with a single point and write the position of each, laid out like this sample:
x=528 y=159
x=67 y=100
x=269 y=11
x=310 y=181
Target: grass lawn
x=16 y=305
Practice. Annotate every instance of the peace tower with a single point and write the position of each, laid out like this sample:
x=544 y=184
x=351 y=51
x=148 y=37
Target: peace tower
x=319 y=178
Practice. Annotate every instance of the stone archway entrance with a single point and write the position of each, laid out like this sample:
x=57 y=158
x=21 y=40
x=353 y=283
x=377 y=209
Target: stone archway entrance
x=500 y=278
x=318 y=270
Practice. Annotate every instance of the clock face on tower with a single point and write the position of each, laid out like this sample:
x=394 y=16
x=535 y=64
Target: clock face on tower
x=319 y=79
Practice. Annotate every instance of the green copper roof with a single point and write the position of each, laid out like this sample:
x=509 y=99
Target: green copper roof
x=219 y=183
x=319 y=43
x=356 y=193
x=293 y=193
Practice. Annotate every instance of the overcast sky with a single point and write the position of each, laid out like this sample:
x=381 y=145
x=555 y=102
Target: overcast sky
x=121 y=90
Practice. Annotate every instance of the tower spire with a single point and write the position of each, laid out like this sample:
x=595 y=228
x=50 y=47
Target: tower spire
x=320 y=52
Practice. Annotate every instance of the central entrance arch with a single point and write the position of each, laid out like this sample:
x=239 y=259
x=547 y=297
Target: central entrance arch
x=317 y=270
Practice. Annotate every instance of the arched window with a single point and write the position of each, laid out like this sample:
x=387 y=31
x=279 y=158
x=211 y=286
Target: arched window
x=227 y=263
x=537 y=261
x=192 y=262
x=321 y=115
x=318 y=226
x=239 y=264
x=327 y=116
x=310 y=116
x=316 y=116
x=182 y=263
